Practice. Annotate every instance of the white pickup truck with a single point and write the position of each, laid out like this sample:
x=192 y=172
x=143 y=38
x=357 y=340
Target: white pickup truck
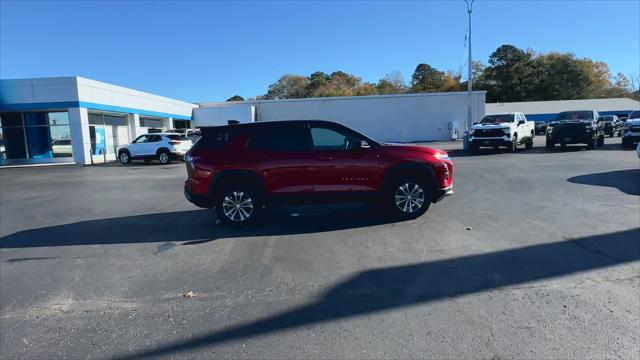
x=502 y=130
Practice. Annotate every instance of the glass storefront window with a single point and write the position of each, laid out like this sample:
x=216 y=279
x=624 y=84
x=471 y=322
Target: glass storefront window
x=35 y=135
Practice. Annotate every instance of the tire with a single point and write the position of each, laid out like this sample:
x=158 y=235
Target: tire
x=550 y=145
x=514 y=144
x=124 y=157
x=529 y=144
x=600 y=141
x=473 y=148
x=238 y=206
x=407 y=198
x=626 y=144
x=591 y=145
x=164 y=157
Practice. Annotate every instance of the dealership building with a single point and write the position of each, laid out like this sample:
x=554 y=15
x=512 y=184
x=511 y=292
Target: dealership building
x=78 y=120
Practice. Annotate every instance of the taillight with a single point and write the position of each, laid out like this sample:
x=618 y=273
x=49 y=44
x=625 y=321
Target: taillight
x=174 y=142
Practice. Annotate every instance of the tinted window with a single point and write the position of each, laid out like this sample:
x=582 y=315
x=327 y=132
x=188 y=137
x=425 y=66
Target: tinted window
x=281 y=138
x=328 y=139
x=214 y=138
x=635 y=115
x=154 y=138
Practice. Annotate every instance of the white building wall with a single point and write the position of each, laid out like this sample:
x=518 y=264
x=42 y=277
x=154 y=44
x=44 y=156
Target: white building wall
x=80 y=139
x=401 y=118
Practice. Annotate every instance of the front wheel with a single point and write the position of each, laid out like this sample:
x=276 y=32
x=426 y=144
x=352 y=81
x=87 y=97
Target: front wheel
x=408 y=198
x=550 y=145
x=514 y=144
x=600 y=142
x=124 y=157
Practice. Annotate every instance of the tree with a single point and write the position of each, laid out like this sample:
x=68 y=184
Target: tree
x=288 y=87
x=621 y=81
x=392 y=83
x=562 y=77
x=450 y=81
x=509 y=76
x=367 y=89
x=426 y=79
x=236 y=98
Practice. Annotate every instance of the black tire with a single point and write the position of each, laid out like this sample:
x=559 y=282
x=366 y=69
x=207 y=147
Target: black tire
x=164 y=157
x=529 y=144
x=591 y=145
x=513 y=147
x=404 y=186
x=600 y=141
x=473 y=148
x=125 y=157
x=626 y=144
x=249 y=212
x=550 y=145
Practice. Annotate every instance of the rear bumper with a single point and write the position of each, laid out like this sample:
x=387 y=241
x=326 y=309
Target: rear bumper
x=442 y=193
x=202 y=201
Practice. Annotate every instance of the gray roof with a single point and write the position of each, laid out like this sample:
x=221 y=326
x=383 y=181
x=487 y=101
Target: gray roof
x=554 y=107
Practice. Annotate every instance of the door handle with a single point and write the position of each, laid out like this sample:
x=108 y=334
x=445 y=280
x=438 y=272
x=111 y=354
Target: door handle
x=325 y=158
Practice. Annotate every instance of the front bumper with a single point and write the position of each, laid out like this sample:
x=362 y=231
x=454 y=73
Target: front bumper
x=490 y=142
x=442 y=193
x=631 y=137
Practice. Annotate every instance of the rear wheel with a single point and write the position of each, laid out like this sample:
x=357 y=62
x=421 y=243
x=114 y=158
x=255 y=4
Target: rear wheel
x=238 y=206
x=408 y=197
x=124 y=157
x=600 y=142
x=164 y=157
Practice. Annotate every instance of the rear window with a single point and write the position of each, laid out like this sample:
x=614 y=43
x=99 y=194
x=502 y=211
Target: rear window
x=177 y=137
x=214 y=138
x=281 y=138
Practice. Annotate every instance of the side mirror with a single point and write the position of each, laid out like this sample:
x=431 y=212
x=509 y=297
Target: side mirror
x=521 y=122
x=475 y=123
x=362 y=144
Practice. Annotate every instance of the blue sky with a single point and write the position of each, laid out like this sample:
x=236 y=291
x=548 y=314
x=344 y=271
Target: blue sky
x=211 y=50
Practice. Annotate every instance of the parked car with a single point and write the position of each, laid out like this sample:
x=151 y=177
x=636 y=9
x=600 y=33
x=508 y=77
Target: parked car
x=576 y=127
x=161 y=146
x=242 y=169
x=541 y=126
x=191 y=134
x=502 y=130
x=61 y=147
x=631 y=129
x=612 y=125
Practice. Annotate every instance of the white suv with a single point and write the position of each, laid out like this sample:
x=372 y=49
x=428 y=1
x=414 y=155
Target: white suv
x=163 y=147
x=631 y=130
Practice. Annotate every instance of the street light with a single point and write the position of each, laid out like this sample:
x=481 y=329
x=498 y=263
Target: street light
x=467 y=124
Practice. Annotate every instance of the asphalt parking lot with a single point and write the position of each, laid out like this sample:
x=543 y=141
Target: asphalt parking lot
x=537 y=255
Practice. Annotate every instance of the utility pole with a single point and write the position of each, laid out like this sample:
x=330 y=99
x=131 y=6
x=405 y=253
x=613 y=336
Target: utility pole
x=468 y=123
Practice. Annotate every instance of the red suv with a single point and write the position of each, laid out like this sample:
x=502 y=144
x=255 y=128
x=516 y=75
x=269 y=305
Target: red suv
x=241 y=169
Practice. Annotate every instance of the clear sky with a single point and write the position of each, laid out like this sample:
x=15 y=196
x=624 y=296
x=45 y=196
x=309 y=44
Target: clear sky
x=211 y=50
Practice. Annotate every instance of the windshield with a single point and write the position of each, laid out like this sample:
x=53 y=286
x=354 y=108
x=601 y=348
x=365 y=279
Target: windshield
x=635 y=115
x=497 y=119
x=575 y=115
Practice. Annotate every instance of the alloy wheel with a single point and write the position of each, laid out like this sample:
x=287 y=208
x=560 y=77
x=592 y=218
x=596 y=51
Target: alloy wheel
x=237 y=206
x=409 y=197
x=164 y=158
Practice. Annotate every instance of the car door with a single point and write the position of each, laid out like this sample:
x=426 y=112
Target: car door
x=137 y=145
x=521 y=126
x=151 y=145
x=281 y=153
x=340 y=163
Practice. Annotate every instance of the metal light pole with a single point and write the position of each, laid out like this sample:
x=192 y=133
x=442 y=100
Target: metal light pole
x=467 y=124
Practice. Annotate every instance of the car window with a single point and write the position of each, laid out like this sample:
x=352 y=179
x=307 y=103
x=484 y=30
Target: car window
x=575 y=115
x=635 y=115
x=328 y=139
x=497 y=119
x=154 y=138
x=140 y=139
x=281 y=138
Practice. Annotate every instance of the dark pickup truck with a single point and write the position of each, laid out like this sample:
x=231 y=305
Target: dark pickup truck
x=576 y=127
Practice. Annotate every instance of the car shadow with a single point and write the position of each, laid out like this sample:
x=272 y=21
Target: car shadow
x=535 y=150
x=192 y=227
x=395 y=287
x=627 y=181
